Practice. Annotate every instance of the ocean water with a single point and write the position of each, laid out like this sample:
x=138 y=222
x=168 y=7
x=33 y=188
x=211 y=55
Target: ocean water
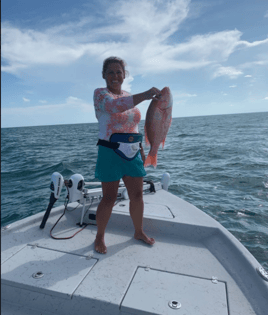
x=217 y=163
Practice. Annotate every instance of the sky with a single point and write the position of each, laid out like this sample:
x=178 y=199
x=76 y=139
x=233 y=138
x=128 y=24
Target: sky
x=213 y=55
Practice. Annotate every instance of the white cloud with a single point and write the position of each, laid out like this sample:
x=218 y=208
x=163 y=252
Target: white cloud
x=71 y=102
x=185 y=95
x=266 y=98
x=248 y=76
x=13 y=67
x=72 y=110
x=253 y=44
x=263 y=62
x=127 y=83
x=42 y=101
x=231 y=72
x=151 y=20
x=266 y=14
x=25 y=99
x=140 y=33
x=24 y=48
x=73 y=99
x=232 y=86
x=75 y=102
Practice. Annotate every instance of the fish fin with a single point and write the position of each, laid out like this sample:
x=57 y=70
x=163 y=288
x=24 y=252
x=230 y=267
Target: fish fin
x=163 y=143
x=151 y=160
x=147 y=143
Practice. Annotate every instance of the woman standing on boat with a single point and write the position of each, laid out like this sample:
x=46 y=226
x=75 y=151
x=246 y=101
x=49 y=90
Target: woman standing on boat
x=118 y=119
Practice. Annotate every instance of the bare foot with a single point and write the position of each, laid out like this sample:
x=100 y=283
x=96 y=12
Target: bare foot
x=142 y=236
x=100 y=245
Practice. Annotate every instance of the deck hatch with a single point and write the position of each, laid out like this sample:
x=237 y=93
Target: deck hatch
x=61 y=272
x=151 y=292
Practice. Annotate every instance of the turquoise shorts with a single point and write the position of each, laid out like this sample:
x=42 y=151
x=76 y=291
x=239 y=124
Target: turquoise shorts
x=112 y=167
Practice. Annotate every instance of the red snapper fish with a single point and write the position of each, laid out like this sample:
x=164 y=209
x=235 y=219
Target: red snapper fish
x=157 y=123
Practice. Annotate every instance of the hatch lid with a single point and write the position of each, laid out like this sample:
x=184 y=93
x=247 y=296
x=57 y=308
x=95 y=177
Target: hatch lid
x=160 y=292
x=46 y=271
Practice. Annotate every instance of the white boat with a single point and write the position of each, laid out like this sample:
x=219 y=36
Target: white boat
x=195 y=267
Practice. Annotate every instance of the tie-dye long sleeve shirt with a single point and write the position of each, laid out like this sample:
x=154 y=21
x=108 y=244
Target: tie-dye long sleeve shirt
x=115 y=113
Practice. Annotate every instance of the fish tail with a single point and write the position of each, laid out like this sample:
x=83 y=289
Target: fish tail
x=151 y=160
x=147 y=143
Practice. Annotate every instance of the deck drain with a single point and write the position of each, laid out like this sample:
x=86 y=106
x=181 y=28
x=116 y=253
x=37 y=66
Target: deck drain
x=38 y=275
x=174 y=304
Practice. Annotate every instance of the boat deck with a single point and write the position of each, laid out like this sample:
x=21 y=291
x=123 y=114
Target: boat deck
x=196 y=265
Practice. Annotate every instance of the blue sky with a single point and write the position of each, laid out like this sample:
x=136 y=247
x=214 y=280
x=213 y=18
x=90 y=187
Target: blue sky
x=212 y=54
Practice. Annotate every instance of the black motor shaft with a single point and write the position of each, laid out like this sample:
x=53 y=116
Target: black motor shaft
x=50 y=205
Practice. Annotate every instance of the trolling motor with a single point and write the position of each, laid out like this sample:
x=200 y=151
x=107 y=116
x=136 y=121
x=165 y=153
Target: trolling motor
x=55 y=187
x=75 y=188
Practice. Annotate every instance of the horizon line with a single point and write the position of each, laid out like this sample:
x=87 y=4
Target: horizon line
x=140 y=120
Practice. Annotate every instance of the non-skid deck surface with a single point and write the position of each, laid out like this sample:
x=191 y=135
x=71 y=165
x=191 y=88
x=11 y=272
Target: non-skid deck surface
x=130 y=277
